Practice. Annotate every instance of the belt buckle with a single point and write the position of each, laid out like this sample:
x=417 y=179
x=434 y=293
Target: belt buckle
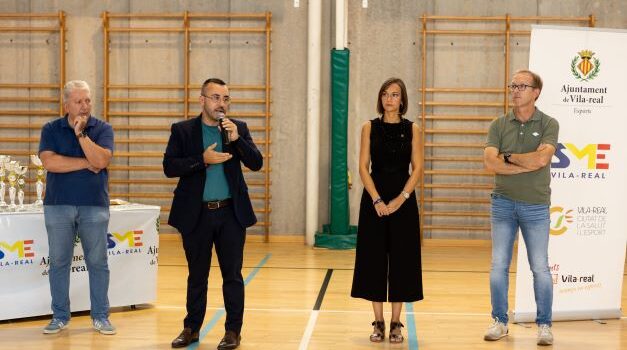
x=213 y=205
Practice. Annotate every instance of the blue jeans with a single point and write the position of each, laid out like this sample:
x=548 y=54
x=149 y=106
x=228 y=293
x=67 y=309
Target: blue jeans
x=533 y=221
x=63 y=223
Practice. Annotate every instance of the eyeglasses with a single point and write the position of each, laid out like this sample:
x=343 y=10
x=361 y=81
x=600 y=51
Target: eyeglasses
x=394 y=95
x=519 y=87
x=217 y=98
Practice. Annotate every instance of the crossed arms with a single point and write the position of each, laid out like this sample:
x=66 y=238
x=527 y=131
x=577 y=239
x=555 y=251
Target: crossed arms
x=96 y=159
x=519 y=162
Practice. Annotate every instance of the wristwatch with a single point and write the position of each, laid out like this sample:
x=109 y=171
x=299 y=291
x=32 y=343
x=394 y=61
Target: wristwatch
x=506 y=156
x=405 y=194
x=82 y=134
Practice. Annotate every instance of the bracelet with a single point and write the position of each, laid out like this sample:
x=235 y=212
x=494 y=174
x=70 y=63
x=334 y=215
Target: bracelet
x=377 y=201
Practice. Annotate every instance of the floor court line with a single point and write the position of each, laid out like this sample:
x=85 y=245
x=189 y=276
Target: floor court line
x=221 y=312
x=323 y=289
x=412 y=337
x=341 y=269
x=423 y=313
x=313 y=316
x=342 y=311
x=311 y=324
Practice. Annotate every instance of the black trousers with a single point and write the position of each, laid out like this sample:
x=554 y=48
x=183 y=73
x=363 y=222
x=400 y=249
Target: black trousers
x=219 y=227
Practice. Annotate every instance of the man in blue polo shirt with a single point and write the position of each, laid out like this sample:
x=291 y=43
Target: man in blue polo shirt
x=76 y=150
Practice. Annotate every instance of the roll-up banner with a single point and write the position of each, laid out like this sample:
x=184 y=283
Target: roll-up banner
x=585 y=88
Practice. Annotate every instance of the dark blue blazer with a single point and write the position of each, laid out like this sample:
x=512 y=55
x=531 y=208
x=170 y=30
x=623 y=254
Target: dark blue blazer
x=183 y=159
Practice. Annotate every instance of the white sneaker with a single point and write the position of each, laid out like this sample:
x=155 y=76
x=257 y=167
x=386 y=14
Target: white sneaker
x=545 y=336
x=496 y=331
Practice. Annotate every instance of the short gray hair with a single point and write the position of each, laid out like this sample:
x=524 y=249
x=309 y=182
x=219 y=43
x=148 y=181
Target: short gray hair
x=74 y=85
x=536 y=80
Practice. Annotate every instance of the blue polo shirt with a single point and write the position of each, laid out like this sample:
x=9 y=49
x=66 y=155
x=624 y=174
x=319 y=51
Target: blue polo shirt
x=81 y=187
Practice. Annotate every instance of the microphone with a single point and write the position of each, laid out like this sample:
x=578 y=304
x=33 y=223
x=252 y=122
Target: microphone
x=225 y=133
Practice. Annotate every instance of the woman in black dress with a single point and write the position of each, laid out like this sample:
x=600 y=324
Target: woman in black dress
x=387 y=260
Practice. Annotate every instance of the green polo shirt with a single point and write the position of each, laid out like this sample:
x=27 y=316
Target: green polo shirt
x=507 y=134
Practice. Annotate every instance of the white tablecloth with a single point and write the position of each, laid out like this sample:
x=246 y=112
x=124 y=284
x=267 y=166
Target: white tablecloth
x=133 y=247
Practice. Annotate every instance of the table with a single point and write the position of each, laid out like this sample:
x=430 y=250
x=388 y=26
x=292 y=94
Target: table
x=133 y=248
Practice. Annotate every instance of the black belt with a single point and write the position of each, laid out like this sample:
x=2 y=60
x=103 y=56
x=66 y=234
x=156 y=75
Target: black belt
x=212 y=205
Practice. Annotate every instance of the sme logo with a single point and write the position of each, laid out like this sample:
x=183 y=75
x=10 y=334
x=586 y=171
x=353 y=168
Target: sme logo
x=19 y=249
x=593 y=154
x=131 y=238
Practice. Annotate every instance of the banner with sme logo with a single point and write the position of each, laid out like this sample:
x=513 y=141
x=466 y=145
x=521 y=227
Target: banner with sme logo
x=132 y=249
x=584 y=77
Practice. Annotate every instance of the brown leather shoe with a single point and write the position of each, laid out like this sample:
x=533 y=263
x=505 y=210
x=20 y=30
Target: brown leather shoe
x=185 y=338
x=230 y=341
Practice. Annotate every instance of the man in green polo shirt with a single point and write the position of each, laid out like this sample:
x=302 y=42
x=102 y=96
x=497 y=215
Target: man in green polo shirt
x=519 y=150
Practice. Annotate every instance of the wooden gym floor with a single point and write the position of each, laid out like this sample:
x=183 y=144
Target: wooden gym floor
x=299 y=298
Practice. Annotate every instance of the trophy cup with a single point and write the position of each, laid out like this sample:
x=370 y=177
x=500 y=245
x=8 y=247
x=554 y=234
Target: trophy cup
x=40 y=179
x=20 y=171
x=3 y=186
x=11 y=167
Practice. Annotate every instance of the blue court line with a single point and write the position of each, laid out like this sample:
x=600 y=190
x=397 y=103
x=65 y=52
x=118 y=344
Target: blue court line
x=221 y=312
x=412 y=339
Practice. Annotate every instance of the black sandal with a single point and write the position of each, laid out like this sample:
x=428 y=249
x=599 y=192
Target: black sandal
x=378 y=333
x=395 y=332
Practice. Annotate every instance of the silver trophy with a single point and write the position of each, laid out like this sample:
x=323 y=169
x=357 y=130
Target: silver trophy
x=20 y=171
x=11 y=168
x=3 y=186
x=40 y=179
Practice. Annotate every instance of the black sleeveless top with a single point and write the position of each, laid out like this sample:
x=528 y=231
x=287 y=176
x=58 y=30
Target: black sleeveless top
x=390 y=146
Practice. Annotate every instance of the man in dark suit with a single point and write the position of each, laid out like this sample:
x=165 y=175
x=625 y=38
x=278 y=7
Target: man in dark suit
x=211 y=205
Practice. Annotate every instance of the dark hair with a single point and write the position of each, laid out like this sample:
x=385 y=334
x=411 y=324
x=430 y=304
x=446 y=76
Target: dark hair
x=386 y=84
x=211 y=81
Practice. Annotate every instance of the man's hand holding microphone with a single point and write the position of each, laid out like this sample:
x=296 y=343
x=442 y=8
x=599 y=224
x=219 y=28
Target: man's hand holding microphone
x=228 y=131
